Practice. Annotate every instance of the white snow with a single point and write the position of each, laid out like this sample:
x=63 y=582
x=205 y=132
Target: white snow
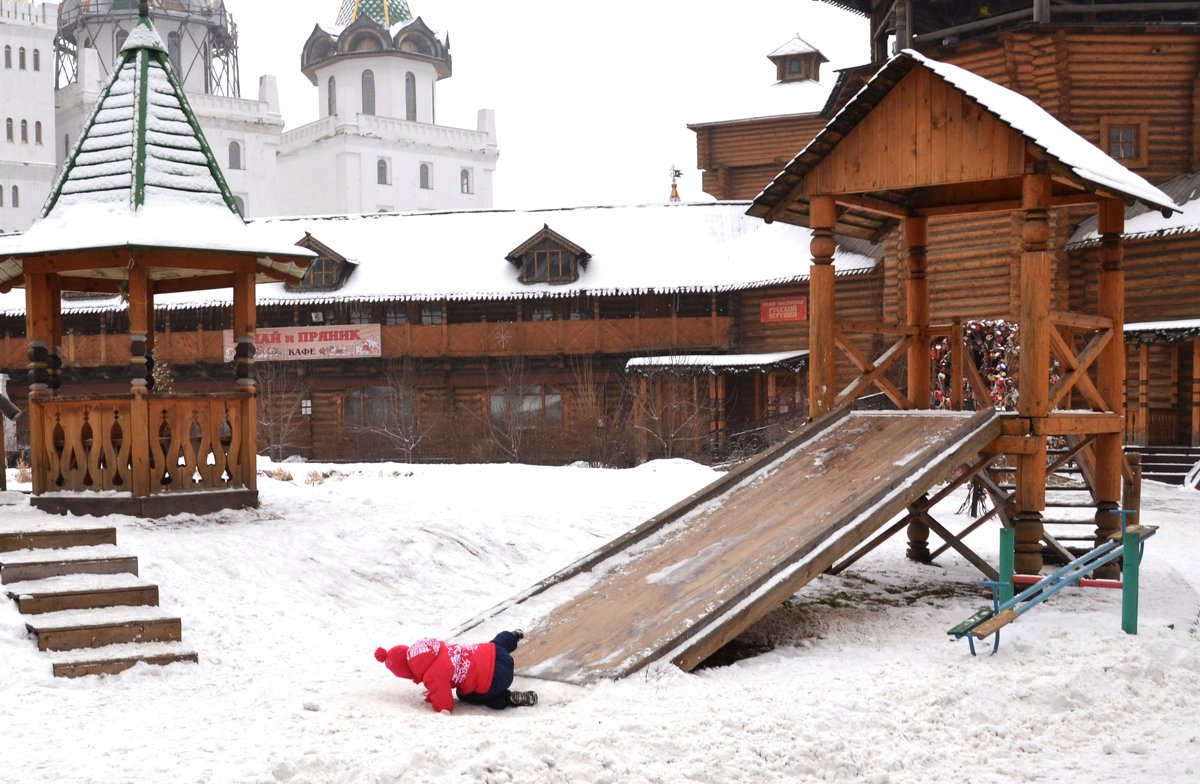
x=715 y=360
x=856 y=680
x=648 y=248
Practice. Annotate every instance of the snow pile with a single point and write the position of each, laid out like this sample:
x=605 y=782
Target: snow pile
x=854 y=679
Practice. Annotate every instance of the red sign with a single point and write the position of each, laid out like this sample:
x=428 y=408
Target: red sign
x=274 y=344
x=785 y=309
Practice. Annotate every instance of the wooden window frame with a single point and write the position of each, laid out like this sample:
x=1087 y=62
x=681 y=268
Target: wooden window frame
x=527 y=418
x=1141 y=129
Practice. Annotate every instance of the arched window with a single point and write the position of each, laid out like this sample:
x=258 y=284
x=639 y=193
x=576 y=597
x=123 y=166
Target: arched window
x=235 y=155
x=121 y=36
x=8 y=129
x=241 y=205
x=425 y=183
x=410 y=97
x=332 y=98
x=1 y=197
x=8 y=57
x=381 y=171
x=37 y=59
x=24 y=132
x=174 y=52
x=464 y=181
x=66 y=145
x=368 y=92
x=16 y=197
x=37 y=132
x=21 y=58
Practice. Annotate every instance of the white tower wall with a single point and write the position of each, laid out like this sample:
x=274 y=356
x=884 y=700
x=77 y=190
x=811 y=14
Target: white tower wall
x=26 y=110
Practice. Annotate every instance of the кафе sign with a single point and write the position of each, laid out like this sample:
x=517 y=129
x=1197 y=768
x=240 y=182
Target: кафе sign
x=277 y=344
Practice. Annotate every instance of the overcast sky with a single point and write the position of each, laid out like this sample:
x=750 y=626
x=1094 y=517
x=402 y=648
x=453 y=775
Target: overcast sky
x=592 y=100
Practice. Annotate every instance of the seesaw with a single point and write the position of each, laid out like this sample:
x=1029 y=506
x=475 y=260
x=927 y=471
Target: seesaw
x=1126 y=544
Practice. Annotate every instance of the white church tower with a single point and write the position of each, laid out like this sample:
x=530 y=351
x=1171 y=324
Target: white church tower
x=27 y=163
x=376 y=146
x=202 y=42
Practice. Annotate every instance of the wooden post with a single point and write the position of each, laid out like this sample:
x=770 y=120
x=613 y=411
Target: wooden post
x=139 y=414
x=244 y=327
x=1195 y=417
x=1143 y=395
x=54 y=361
x=1110 y=372
x=915 y=234
x=1034 y=402
x=957 y=357
x=821 y=392
x=37 y=333
x=772 y=402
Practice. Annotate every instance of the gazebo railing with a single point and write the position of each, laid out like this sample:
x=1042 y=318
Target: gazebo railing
x=143 y=444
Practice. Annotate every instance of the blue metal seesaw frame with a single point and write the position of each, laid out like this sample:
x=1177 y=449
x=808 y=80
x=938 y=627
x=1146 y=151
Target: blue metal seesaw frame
x=1128 y=544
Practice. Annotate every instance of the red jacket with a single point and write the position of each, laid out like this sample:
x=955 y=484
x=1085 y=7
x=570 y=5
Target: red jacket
x=440 y=667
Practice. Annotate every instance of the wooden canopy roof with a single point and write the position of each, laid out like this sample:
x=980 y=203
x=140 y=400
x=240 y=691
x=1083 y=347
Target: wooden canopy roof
x=143 y=186
x=929 y=138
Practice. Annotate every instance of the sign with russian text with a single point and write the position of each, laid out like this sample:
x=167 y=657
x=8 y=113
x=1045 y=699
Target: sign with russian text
x=283 y=344
x=784 y=309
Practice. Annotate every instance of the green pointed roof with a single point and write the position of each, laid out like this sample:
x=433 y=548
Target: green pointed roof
x=386 y=12
x=142 y=140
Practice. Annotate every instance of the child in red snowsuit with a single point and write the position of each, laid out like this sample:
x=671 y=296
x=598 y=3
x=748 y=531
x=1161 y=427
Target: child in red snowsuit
x=481 y=674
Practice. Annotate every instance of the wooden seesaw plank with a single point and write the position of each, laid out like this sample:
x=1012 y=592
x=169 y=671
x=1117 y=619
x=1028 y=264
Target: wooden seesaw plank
x=695 y=577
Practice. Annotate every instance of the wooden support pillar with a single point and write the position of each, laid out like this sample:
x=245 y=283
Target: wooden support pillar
x=957 y=351
x=1034 y=402
x=38 y=337
x=821 y=392
x=1195 y=417
x=915 y=233
x=772 y=395
x=139 y=328
x=1110 y=371
x=54 y=361
x=245 y=324
x=1143 y=394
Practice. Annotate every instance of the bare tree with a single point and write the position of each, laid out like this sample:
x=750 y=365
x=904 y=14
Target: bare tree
x=674 y=413
x=399 y=423
x=282 y=388
x=600 y=428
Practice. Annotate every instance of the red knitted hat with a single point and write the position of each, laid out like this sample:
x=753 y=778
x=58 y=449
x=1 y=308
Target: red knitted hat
x=396 y=660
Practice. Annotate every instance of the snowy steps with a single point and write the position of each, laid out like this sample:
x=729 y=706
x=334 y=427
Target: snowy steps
x=84 y=600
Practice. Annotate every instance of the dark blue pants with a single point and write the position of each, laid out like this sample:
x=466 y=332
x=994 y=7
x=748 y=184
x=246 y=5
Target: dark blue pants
x=497 y=696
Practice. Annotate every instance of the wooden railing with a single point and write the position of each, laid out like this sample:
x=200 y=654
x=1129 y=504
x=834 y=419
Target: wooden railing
x=143 y=444
x=527 y=338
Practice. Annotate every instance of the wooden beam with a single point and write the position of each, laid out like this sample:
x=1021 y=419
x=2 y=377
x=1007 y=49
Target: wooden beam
x=1061 y=423
x=1082 y=321
x=877 y=206
x=1077 y=367
x=874 y=327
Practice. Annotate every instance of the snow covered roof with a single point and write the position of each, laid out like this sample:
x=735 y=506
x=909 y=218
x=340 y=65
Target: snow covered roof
x=777 y=99
x=1143 y=223
x=661 y=248
x=1073 y=157
x=795 y=46
x=142 y=175
x=713 y=362
x=1045 y=131
x=1168 y=331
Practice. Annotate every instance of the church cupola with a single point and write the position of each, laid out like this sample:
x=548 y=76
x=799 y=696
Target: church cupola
x=385 y=12
x=797 y=60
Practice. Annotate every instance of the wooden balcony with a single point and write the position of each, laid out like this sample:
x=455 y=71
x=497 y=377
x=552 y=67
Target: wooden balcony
x=157 y=455
x=526 y=338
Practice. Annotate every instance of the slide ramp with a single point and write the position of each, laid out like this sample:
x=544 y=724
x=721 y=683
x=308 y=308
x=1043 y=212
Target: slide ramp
x=692 y=578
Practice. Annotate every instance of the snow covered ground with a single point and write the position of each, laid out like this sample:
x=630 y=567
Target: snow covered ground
x=857 y=681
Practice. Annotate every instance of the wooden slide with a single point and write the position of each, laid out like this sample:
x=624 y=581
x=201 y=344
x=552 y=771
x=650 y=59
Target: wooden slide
x=689 y=580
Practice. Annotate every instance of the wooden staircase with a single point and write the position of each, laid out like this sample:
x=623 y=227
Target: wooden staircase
x=86 y=603
x=1169 y=464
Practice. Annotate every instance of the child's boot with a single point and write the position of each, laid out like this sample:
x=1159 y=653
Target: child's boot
x=522 y=698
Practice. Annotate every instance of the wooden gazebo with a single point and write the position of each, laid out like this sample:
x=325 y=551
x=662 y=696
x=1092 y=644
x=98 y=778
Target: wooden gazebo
x=926 y=139
x=141 y=208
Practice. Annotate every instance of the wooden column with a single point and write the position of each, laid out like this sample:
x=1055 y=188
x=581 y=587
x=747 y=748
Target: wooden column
x=1110 y=370
x=244 y=327
x=1143 y=394
x=141 y=480
x=1034 y=404
x=1195 y=417
x=915 y=233
x=957 y=358
x=54 y=360
x=821 y=392
x=38 y=336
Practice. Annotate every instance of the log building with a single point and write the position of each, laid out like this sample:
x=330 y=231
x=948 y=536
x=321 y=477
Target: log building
x=1122 y=75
